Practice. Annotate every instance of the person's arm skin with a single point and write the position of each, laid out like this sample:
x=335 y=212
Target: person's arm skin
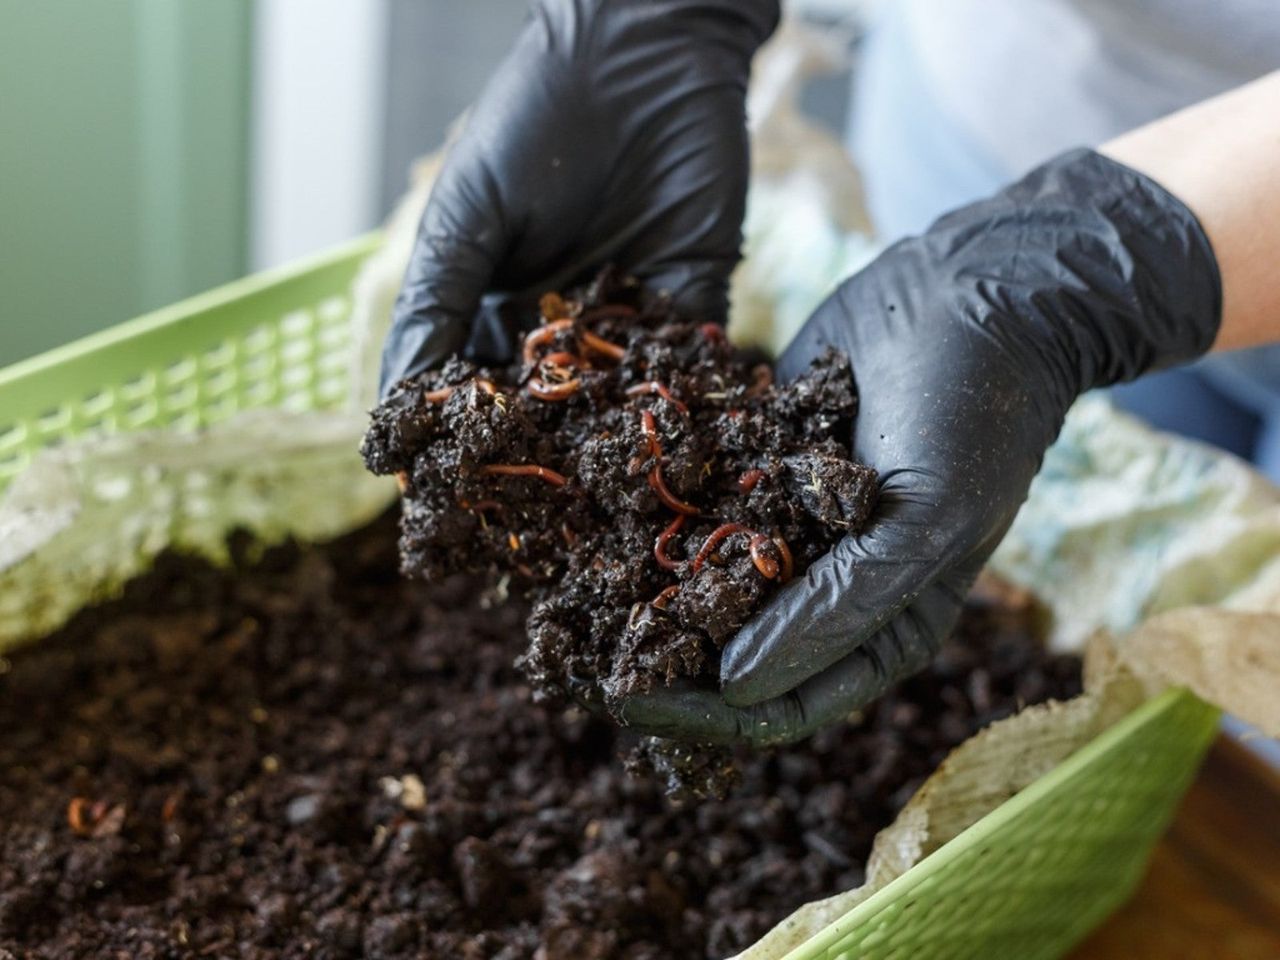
x=968 y=345
x=1222 y=159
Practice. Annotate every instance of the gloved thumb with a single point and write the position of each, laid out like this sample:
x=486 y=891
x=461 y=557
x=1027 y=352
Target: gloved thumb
x=460 y=240
x=851 y=594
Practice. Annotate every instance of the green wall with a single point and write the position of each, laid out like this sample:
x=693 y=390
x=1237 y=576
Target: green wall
x=123 y=160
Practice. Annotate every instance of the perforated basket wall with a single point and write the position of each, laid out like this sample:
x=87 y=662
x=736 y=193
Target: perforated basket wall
x=1031 y=878
x=1024 y=882
x=278 y=339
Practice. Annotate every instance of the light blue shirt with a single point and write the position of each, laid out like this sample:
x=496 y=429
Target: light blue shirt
x=954 y=99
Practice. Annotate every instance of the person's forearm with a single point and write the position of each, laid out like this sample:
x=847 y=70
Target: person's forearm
x=1222 y=159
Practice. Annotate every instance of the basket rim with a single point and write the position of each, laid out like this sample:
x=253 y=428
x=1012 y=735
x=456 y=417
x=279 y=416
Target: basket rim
x=1148 y=712
x=220 y=296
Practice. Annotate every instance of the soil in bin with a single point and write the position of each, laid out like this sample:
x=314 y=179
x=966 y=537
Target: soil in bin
x=313 y=757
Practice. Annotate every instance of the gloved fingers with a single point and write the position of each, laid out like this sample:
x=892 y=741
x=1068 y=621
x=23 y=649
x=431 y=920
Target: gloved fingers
x=894 y=653
x=680 y=712
x=460 y=240
x=685 y=235
x=845 y=597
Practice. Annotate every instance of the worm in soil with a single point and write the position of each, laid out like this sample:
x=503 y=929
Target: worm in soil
x=524 y=470
x=660 y=545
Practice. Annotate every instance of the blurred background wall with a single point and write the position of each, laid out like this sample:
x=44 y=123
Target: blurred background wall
x=151 y=149
x=123 y=160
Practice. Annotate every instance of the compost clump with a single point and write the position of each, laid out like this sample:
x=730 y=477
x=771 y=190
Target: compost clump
x=646 y=483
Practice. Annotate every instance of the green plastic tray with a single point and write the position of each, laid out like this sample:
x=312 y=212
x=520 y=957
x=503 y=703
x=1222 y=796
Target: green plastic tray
x=1032 y=877
x=1027 y=881
x=276 y=339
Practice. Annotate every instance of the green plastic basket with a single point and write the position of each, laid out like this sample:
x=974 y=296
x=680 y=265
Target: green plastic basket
x=276 y=339
x=1027 y=881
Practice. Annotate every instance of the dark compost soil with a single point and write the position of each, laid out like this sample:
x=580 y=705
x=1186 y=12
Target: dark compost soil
x=643 y=479
x=315 y=758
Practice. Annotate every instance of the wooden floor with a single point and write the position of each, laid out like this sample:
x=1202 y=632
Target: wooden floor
x=1213 y=889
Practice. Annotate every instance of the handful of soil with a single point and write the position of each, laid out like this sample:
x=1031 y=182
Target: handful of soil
x=644 y=480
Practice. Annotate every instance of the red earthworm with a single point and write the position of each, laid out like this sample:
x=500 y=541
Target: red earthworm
x=561 y=358
x=660 y=545
x=524 y=470
x=747 y=482
x=601 y=345
x=767 y=566
x=712 y=331
x=656 y=480
x=653 y=386
x=554 y=392
x=443 y=393
x=76 y=815
x=650 y=428
x=613 y=311
x=788 y=566
x=666 y=496
x=544 y=334
x=664 y=597
x=713 y=540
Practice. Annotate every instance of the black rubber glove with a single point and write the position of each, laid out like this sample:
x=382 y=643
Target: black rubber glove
x=968 y=345
x=614 y=132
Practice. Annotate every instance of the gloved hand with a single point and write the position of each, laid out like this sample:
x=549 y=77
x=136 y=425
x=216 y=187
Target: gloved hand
x=614 y=132
x=968 y=345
